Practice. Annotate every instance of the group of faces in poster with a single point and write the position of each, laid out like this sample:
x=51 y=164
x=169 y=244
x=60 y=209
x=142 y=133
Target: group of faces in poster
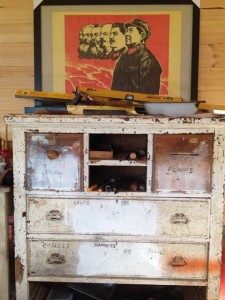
x=136 y=68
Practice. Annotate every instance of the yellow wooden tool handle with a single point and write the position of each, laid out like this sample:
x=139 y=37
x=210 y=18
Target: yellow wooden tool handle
x=128 y=95
x=43 y=95
x=92 y=187
x=211 y=107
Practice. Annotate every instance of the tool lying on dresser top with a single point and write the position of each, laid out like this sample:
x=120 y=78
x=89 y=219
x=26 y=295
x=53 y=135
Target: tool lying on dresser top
x=100 y=101
x=95 y=95
x=97 y=101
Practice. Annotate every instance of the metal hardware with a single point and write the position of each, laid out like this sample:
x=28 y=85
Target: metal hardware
x=179 y=218
x=54 y=215
x=178 y=261
x=56 y=259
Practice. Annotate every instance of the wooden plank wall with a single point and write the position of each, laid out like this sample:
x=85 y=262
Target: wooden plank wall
x=16 y=55
x=211 y=85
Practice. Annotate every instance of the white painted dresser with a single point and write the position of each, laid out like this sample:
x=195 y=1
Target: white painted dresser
x=161 y=225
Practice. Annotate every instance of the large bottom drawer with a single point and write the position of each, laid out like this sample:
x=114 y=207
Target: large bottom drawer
x=118 y=259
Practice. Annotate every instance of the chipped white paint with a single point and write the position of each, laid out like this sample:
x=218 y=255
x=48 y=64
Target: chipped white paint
x=104 y=259
x=51 y=171
x=158 y=228
x=120 y=216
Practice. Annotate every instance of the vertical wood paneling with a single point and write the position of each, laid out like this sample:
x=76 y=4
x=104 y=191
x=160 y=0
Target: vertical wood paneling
x=211 y=85
x=16 y=55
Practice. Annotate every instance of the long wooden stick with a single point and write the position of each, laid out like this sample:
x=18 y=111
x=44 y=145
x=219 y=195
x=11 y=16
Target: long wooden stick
x=97 y=95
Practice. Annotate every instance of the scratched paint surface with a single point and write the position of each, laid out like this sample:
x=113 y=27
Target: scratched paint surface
x=183 y=163
x=157 y=240
x=52 y=162
x=117 y=259
x=126 y=217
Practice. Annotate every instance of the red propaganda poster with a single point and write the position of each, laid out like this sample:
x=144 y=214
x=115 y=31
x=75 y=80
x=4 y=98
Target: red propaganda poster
x=119 y=52
x=135 y=48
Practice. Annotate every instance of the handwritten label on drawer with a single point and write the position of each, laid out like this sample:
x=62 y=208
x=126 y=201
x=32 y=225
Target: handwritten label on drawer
x=124 y=217
x=182 y=163
x=148 y=260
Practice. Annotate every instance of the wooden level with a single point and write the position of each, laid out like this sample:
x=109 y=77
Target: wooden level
x=128 y=95
x=108 y=99
x=97 y=95
x=44 y=95
x=211 y=107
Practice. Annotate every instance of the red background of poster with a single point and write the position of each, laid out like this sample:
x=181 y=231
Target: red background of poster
x=97 y=73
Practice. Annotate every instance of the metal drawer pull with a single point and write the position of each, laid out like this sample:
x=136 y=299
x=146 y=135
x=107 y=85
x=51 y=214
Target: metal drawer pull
x=179 y=218
x=56 y=259
x=178 y=261
x=54 y=215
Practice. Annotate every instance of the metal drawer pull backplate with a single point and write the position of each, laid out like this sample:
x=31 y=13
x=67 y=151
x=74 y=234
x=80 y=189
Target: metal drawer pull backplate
x=179 y=218
x=178 y=261
x=54 y=215
x=56 y=259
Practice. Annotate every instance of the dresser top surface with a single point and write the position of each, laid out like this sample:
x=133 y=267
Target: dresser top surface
x=204 y=118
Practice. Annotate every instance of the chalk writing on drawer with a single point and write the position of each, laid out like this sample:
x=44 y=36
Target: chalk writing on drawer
x=183 y=163
x=105 y=245
x=156 y=250
x=127 y=251
x=82 y=202
x=54 y=161
x=179 y=170
x=56 y=245
x=124 y=202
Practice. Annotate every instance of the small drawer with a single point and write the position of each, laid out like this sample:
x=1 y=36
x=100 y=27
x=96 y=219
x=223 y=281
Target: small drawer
x=54 y=161
x=117 y=259
x=124 y=217
x=182 y=163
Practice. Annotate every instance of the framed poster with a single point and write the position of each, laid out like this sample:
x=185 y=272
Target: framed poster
x=149 y=47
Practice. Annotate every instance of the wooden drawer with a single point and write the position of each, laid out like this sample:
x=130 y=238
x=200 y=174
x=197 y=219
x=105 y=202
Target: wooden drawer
x=121 y=217
x=54 y=161
x=182 y=162
x=120 y=259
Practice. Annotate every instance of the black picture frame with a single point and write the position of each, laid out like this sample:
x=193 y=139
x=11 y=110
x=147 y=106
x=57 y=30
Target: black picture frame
x=39 y=75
